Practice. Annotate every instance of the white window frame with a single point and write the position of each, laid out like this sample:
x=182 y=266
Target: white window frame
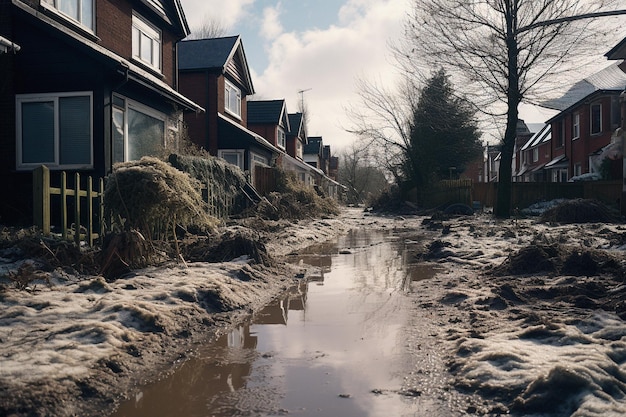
x=239 y=153
x=535 y=154
x=591 y=121
x=142 y=30
x=229 y=90
x=281 y=139
x=576 y=126
x=148 y=111
x=54 y=97
x=578 y=169
x=54 y=6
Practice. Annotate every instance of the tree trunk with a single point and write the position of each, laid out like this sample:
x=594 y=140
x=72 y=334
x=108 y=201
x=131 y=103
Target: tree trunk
x=503 y=201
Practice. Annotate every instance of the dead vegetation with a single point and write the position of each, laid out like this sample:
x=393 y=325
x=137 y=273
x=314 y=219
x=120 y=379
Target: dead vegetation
x=580 y=211
x=294 y=200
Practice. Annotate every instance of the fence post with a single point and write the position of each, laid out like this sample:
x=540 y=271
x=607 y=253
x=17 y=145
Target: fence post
x=101 y=210
x=41 y=198
x=77 y=209
x=64 y=204
x=90 y=211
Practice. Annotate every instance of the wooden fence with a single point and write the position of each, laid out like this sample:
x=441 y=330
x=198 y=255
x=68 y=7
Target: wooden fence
x=90 y=224
x=447 y=192
x=94 y=201
x=523 y=194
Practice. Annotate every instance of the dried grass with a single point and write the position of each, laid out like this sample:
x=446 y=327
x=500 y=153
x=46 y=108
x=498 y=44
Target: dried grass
x=149 y=193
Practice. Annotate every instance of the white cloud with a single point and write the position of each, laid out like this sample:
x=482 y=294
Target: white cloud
x=271 y=27
x=330 y=60
x=227 y=13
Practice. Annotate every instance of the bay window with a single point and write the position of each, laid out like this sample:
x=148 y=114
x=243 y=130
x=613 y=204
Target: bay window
x=137 y=131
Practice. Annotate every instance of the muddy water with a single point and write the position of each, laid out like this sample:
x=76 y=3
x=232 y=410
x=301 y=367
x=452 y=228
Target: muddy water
x=331 y=346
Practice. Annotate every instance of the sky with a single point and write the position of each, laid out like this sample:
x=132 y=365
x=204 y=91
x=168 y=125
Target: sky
x=320 y=48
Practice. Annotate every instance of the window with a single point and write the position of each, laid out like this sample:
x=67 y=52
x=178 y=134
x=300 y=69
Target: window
x=55 y=130
x=535 y=154
x=281 y=140
x=298 y=148
x=576 y=126
x=559 y=175
x=232 y=156
x=578 y=169
x=81 y=11
x=232 y=98
x=616 y=113
x=596 y=118
x=137 y=131
x=146 y=43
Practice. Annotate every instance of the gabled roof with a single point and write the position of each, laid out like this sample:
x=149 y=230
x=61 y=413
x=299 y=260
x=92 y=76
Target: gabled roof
x=313 y=145
x=216 y=54
x=171 y=12
x=268 y=112
x=611 y=78
x=295 y=124
x=544 y=135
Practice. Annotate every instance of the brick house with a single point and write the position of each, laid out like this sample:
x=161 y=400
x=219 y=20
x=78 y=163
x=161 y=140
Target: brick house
x=215 y=73
x=93 y=82
x=270 y=119
x=590 y=111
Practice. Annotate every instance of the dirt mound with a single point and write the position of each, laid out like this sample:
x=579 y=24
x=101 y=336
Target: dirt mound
x=228 y=246
x=558 y=259
x=580 y=211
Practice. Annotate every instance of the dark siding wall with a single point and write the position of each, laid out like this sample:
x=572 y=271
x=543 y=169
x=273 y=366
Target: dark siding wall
x=266 y=131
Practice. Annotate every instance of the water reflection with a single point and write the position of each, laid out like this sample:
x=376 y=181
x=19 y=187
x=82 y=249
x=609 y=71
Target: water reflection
x=316 y=350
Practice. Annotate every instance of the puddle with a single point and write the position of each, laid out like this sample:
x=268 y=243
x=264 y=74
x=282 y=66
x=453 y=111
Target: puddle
x=332 y=346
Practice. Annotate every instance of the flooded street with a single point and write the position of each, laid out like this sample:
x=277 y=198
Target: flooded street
x=332 y=346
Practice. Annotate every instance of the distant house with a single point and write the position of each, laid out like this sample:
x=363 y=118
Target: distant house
x=296 y=137
x=590 y=111
x=85 y=84
x=270 y=119
x=535 y=154
x=215 y=74
x=313 y=152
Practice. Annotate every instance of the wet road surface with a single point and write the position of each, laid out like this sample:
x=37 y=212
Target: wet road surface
x=331 y=346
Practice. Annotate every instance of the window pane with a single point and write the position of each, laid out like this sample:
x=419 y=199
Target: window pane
x=146 y=48
x=136 y=37
x=75 y=130
x=118 y=135
x=70 y=8
x=231 y=158
x=145 y=135
x=156 y=54
x=87 y=13
x=38 y=132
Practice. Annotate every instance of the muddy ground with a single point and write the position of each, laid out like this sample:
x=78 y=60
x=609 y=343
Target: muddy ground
x=75 y=344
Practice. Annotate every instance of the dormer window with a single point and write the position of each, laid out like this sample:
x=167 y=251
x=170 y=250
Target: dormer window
x=146 y=43
x=80 y=11
x=232 y=99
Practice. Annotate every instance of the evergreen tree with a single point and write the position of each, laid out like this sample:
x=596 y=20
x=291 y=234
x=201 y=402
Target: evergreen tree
x=443 y=134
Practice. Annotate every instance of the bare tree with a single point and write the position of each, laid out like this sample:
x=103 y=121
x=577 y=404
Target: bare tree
x=358 y=172
x=507 y=51
x=211 y=27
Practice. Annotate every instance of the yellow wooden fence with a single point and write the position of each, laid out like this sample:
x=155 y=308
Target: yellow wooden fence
x=93 y=201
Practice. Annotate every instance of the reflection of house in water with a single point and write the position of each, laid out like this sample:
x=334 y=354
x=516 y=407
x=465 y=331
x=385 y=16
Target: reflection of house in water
x=277 y=311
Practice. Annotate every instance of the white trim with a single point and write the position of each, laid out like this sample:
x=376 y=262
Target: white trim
x=239 y=152
x=53 y=97
x=54 y=8
x=152 y=32
x=575 y=126
x=228 y=87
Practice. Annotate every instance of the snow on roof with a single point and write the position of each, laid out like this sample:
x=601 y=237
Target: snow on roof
x=543 y=135
x=611 y=78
